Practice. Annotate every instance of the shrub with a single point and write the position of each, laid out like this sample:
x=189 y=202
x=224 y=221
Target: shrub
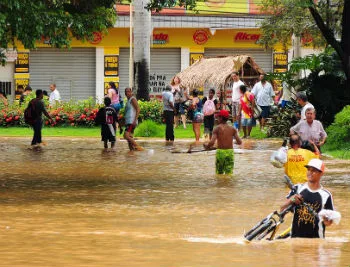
x=281 y=121
x=339 y=131
x=74 y=113
x=149 y=128
x=151 y=110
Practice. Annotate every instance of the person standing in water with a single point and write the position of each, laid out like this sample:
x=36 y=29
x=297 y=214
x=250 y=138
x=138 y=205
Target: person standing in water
x=132 y=112
x=224 y=134
x=305 y=224
x=107 y=117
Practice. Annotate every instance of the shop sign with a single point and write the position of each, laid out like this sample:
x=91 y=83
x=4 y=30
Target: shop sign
x=280 y=62
x=246 y=37
x=22 y=63
x=111 y=65
x=194 y=57
x=157 y=83
x=106 y=86
x=200 y=37
x=97 y=38
x=160 y=38
x=24 y=82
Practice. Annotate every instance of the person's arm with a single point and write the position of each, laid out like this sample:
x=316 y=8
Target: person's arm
x=136 y=106
x=236 y=136
x=171 y=102
x=46 y=113
x=295 y=129
x=323 y=135
x=317 y=151
x=292 y=200
x=110 y=94
x=212 y=140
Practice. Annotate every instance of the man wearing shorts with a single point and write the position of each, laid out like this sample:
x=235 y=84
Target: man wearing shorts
x=132 y=111
x=236 y=95
x=224 y=134
x=264 y=95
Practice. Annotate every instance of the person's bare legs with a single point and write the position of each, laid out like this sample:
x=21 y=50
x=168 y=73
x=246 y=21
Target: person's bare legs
x=249 y=128
x=262 y=123
x=183 y=118
x=197 y=131
x=176 y=121
x=244 y=131
x=131 y=142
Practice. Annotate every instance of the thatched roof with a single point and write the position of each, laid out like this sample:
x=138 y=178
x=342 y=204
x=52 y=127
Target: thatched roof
x=216 y=71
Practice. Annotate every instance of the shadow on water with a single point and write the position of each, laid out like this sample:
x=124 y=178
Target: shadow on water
x=73 y=204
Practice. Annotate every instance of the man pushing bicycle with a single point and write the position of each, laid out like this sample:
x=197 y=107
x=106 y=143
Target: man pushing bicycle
x=305 y=223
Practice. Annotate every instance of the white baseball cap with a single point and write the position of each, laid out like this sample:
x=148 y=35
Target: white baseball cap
x=317 y=164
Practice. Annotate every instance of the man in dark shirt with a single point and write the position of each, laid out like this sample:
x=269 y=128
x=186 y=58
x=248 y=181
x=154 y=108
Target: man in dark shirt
x=305 y=224
x=38 y=123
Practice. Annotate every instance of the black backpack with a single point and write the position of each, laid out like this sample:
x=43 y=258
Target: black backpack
x=30 y=113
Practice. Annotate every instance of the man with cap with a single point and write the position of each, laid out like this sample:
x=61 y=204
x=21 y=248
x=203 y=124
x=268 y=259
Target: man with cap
x=305 y=224
x=224 y=134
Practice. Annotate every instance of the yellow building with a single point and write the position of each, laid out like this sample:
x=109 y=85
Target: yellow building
x=179 y=38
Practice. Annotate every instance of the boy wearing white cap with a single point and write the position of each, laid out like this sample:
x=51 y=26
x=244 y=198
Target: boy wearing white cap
x=305 y=224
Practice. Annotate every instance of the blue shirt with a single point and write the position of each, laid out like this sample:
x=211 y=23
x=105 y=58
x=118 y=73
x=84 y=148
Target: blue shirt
x=167 y=99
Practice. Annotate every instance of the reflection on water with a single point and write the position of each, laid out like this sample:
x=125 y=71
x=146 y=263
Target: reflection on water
x=72 y=204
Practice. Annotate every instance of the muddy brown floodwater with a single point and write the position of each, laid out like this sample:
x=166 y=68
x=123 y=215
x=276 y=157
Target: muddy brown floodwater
x=73 y=205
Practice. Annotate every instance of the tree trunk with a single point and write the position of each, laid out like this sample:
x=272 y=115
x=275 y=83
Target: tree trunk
x=345 y=39
x=330 y=38
x=142 y=43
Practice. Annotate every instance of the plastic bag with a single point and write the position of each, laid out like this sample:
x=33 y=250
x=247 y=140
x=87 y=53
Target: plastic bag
x=279 y=157
x=333 y=215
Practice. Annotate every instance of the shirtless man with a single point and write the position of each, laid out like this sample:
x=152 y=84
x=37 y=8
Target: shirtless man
x=224 y=135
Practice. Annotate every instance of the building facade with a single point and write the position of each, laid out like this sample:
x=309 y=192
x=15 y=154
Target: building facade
x=178 y=40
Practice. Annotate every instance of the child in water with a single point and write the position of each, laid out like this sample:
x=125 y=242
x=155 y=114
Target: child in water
x=107 y=117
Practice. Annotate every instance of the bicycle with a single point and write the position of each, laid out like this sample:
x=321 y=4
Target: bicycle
x=270 y=224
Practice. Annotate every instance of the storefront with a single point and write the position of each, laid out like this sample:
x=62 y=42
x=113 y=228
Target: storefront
x=7 y=74
x=165 y=63
x=72 y=70
x=86 y=68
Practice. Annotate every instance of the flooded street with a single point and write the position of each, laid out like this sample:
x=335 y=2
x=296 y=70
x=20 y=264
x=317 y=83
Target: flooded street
x=72 y=205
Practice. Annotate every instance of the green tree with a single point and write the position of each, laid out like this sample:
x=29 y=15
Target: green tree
x=56 y=20
x=323 y=22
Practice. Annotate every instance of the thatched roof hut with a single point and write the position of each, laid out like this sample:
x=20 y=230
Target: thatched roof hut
x=216 y=72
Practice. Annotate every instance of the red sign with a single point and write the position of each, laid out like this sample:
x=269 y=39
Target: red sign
x=160 y=38
x=97 y=38
x=306 y=39
x=247 y=37
x=200 y=37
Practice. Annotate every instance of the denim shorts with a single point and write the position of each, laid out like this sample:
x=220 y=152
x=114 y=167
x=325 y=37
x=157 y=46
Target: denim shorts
x=180 y=108
x=248 y=122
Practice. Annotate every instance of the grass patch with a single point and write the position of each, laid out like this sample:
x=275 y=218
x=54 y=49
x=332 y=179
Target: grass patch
x=52 y=131
x=145 y=129
x=343 y=153
x=339 y=154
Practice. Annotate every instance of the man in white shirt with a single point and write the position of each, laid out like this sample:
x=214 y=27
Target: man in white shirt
x=55 y=97
x=264 y=94
x=236 y=95
x=304 y=103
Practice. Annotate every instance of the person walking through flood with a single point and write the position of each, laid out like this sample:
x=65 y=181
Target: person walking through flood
x=38 y=108
x=107 y=117
x=132 y=112
x=224 y=134
x=305 y=224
